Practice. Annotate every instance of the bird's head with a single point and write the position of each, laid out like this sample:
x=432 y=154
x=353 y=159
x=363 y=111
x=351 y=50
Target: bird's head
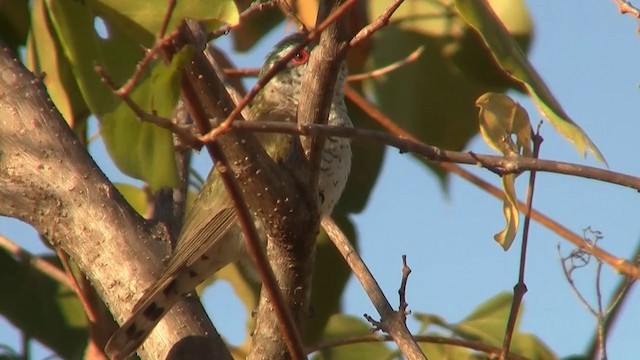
x=281 y=94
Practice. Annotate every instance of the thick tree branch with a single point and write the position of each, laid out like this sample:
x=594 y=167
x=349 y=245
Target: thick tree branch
x=48 y=180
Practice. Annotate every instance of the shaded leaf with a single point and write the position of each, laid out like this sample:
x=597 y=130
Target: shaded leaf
x=431 y=97
x=509 y=55
x=501 y=118
x=14 y=23
x=42 y=308
x=255 y=27
x=141 y=149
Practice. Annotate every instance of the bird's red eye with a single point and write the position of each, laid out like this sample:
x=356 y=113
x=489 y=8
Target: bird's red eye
x=300 y=57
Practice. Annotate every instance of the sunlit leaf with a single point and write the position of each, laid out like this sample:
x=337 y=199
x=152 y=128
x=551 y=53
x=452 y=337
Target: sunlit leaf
x=150 y=14
x=45 y=55
x=508 y=54
x=488 y=321
x=340 y=326
x=500 y=120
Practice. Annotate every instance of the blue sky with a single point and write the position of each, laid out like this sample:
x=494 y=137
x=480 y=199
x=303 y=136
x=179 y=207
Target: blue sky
x=587 y=53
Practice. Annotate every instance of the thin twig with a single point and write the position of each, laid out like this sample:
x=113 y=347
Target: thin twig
x=392 y=322
x=355 y=77
x=36 y=262
x=389 y=68
x=377 y=24
x=626 y=7
x=86 y=304
x=492 y=351
x=521 y=287
x=184 y=133
x=276 y=68
x=619 y=264
x=444 y=158
x=256 y=6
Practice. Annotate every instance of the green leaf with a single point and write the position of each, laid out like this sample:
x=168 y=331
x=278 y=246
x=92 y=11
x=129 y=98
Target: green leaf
x=45 y=55
x=143 y=150
x=42 y=308
x=444 y=351
x=432 y=97
x=150 y=14
x=341 y=326
x=507 y=53
x=488 y=321
x=501 y=118
x=136 y=197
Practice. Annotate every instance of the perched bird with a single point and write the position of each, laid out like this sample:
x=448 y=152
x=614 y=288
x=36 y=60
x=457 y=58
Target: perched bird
x=211 y=238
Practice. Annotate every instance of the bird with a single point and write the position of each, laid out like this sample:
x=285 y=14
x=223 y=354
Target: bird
x=210 y=237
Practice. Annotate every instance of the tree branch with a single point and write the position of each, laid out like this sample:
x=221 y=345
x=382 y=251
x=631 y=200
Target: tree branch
x=48 y=180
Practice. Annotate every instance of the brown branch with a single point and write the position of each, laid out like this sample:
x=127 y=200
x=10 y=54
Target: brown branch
x=255 y=7
x=444 y=158
x=393 y=322
x=520 y=289
x=377 y=24
x=389 y=68
x=48 y=180
x=617 y=263
x=275 y=69
x=626 y=7
x=492 y=351
x=245 y=168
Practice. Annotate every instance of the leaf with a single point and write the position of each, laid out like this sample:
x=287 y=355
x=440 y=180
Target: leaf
x=341 y=326
x=45 y=55
x=249 y=32
x=140 y=149
x=42 y=308
x=508 y=54
x=444 y=351
x=150 y=14
x=500 y=119
x=431 y=97
x=14 y=23
x=136 y=197
x=488 y=321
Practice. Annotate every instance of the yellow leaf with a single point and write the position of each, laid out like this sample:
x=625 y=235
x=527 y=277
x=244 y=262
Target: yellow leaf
x=501 y=119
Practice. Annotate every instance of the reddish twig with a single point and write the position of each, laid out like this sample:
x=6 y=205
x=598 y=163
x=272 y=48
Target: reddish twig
x=184 y=133
x=37 y=263
x=377 y=24
x=389 y=68
x=463 y=343
x=276 y=68
x=256 y=6
x=626 y=7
